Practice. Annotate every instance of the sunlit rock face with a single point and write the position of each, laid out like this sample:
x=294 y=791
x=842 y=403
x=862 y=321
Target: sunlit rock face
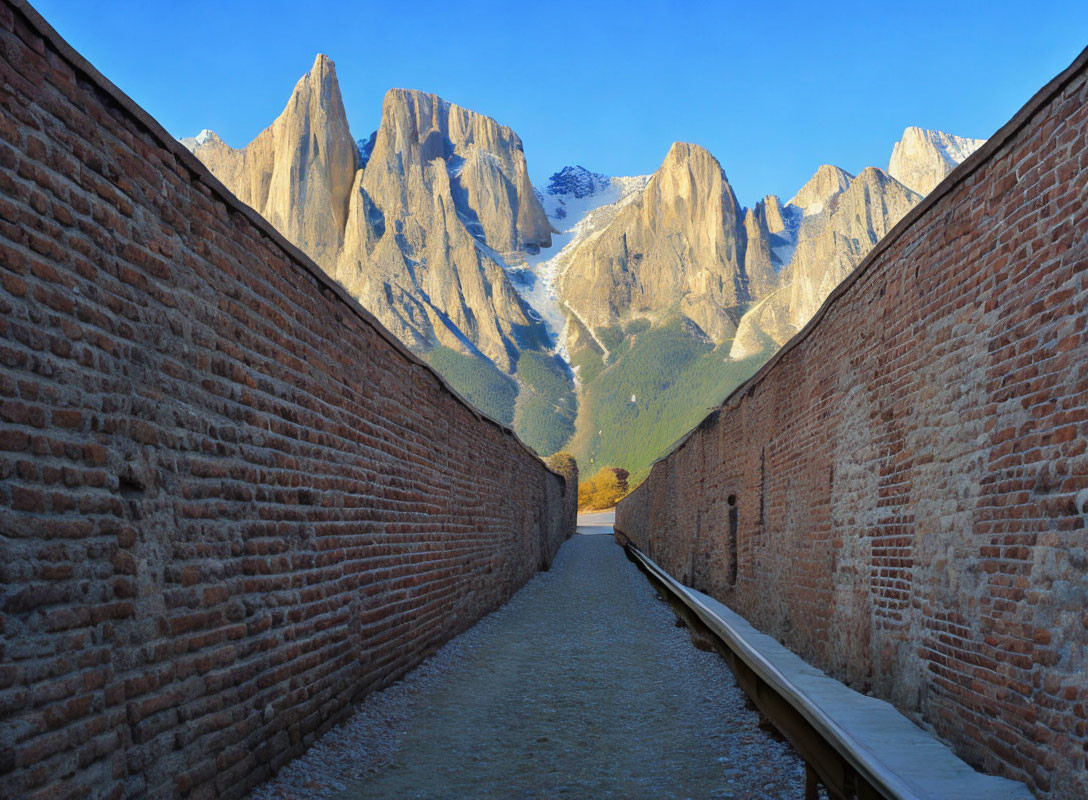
x=444 y=198
x=420 y=233
x=298 y=171
x=820 y=188
x=830 y=244
x=679 y=245
x=922 y=158
x=842 y=217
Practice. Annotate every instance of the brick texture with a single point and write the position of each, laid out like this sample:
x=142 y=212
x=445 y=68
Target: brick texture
x=906 y=472
x=230 y=503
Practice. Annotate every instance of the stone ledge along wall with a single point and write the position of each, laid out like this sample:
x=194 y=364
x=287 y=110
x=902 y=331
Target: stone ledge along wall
x=231 y=503
x=899 y=496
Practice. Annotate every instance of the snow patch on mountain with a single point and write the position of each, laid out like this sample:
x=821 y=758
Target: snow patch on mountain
x=953 y=149
x=784 y=242
x=204 y=137
x=579 y=203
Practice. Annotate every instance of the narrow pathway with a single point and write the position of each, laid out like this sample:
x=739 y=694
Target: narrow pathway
x=582 y=687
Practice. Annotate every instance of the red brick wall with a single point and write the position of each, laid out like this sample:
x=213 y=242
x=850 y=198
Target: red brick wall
x=230 y=503
x=907 y=471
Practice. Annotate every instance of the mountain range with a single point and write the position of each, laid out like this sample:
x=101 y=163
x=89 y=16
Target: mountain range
x=599 y=314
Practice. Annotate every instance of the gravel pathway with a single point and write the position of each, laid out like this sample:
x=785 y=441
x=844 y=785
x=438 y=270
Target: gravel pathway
x=582 y=686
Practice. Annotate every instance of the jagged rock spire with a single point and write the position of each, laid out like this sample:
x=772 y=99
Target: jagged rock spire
x=298 y=172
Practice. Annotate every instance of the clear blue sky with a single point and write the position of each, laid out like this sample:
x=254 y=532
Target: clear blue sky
x=772 y=89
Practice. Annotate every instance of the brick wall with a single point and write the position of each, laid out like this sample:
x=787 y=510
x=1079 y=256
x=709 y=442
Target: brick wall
x=906 y=472
x=231 y=503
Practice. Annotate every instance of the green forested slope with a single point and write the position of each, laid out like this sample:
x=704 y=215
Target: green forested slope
x=675 y=375
x=673 y=372
x=478 y=381
x=546 y=406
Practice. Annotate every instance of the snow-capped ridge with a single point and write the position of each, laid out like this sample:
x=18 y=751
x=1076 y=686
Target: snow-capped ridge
x=577 y=181
x=579 y=203
x=922 y=158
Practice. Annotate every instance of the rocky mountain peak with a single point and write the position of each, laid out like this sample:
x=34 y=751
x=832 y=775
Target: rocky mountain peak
x=485 y=162
x=685 y=155
x=873 y=176
x=759 y=261
x=770 y=208
x=298 y=172
x=205 y=137
x=922 y=158
x=577 y=181
x=678 y=245
x=828 y=181
x=322 y=78
x=831 y=243
x=412 y=221
x=690 y=174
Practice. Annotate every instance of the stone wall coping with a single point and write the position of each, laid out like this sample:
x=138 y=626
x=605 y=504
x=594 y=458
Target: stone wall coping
x=899 y=758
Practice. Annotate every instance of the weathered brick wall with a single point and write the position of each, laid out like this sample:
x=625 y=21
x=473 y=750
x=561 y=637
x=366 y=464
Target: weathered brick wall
x=906 y=473
x=230 y=503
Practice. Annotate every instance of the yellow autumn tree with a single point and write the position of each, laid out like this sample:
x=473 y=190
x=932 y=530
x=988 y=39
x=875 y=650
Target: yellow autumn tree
x=604 y=489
